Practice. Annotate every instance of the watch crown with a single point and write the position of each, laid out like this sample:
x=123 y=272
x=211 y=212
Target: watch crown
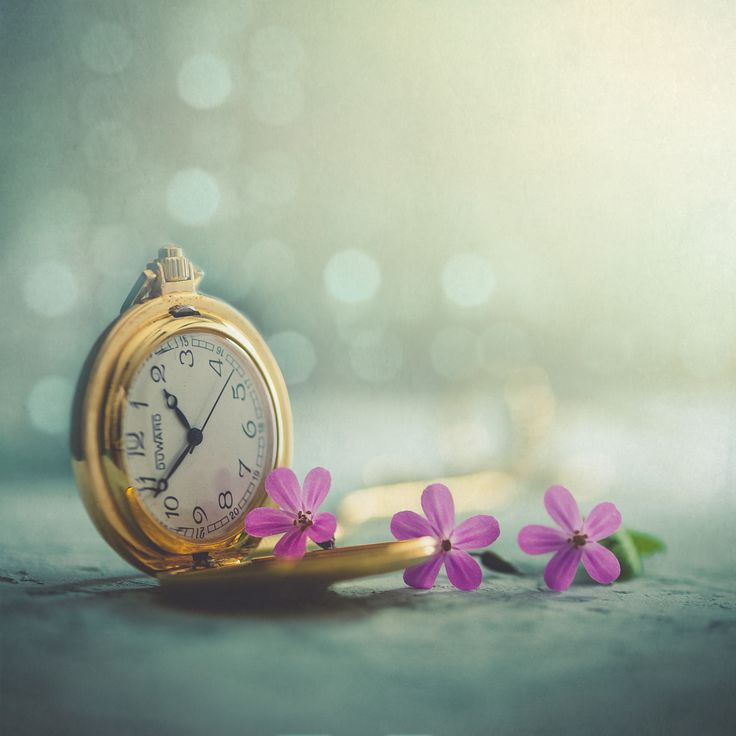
x=171 y=272
x=174 y=264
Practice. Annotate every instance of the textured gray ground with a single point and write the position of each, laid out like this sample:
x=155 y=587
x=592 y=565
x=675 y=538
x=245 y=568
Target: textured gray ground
x=89 y=646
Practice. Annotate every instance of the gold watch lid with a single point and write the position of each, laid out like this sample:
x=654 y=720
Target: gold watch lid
x=316 y=570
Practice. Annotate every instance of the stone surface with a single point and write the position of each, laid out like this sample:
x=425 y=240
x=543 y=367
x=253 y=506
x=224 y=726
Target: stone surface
x=90 y=646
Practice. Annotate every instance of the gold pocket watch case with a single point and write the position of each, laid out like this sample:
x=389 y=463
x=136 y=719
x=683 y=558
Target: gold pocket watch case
x=180 y=413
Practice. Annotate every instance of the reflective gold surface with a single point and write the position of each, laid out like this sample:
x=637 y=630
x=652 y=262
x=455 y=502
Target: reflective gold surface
x=315 y=570
x=485 y=491
x=100 y=400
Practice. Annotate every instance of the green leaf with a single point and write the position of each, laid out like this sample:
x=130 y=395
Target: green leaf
x=495 y=562
x=646 y=544
x=622 y=545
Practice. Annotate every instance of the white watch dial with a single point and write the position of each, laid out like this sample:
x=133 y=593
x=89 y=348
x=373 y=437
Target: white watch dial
x=198 y=435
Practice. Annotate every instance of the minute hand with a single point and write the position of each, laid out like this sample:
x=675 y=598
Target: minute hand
x=177 y=463
x=222 y=390
x=163 y=483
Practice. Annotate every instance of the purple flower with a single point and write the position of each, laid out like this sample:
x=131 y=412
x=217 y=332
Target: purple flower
x=575 y=540
x=452 y=541
x=297 y=518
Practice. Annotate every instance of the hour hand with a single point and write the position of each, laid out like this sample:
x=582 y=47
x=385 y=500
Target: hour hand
x=173 y=403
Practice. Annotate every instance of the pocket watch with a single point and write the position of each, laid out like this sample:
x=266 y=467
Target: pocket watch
x=180 y=413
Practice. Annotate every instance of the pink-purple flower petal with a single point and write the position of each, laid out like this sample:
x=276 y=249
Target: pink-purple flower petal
x=292 y=545
x=600 y=563
x=410 y=525
x=561 y=569
x=315 y=489
x=283 y=487
x=462 y=570
x=424 y=574
x=323 y=527
x=262 y=522
x=563 y=508
x=439 y=508
x=602 y=521
x=536 y=539
x=475 y=532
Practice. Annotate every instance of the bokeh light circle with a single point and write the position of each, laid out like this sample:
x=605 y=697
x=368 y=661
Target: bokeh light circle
x=352 y=276
x=295 y=355
x=50 y=288
x=468 y=280
x=204 y=81
x=193 y=196
x=49 y=404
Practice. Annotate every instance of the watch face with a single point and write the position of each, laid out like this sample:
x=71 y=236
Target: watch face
x=198 y=435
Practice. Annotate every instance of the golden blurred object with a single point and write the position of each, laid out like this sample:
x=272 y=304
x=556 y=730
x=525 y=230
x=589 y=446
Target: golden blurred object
x=485 y=491
x=532 y=405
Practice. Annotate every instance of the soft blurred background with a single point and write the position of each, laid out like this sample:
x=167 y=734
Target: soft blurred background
x=476 y=235
x=480 y=237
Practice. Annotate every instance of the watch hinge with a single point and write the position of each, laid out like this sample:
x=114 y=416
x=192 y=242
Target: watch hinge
x=202 y=559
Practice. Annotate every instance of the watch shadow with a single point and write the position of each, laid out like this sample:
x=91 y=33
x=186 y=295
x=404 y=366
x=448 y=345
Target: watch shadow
x=346 y=600
x=268 y=602
x=291 y=603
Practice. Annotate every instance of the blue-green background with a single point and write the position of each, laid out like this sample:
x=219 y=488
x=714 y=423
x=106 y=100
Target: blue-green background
x=424 y=201
x=478 y=236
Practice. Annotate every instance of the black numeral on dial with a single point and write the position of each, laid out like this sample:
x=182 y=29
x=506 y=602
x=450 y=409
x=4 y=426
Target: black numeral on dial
x=134 y=443
x=171 y=504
